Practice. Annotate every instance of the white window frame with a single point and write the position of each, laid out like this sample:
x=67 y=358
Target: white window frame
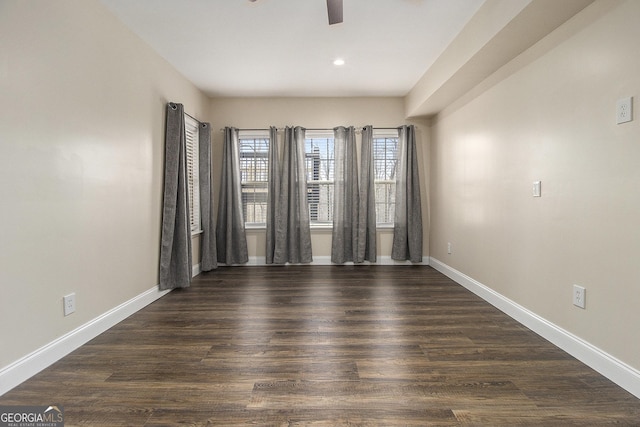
x=253 y=135
x=384 y=134
x=328 y=135
x=192 y=137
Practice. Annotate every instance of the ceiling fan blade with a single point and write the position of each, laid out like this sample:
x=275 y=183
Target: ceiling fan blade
x=334 y=8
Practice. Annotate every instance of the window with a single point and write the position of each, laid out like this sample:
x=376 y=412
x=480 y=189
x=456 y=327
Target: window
x=319 y=166
x=385 y=161
x=320 y=163
x=192 y=133
x=254 y=173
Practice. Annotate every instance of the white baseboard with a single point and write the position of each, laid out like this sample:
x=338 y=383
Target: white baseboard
x=29 y=365
x=617 y=371
x=26 y=367
x=326 y=260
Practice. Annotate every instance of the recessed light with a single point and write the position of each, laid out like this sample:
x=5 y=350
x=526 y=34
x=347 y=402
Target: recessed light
x=338 y=62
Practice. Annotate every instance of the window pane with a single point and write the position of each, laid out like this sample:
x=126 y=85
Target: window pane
x=254 y=170
x=320 y=164
x=320 y=198
x=385 y=157
x=319 y=159
x=254 y=203
x=385 y=201
x=385 y=162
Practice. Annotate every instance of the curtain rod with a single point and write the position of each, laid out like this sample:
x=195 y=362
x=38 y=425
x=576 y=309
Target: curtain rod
x=203 y=124
x=174 y=106
x=311 y=129
x=193 y=117
x=252 y=130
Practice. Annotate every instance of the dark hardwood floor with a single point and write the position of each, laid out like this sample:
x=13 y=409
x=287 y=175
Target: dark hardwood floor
x=325 y=346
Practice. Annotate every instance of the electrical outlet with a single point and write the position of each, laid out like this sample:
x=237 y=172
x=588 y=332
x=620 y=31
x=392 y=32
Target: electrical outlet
x=449 y=248
x=624 y=110
x=69 y=303
x=579 y=295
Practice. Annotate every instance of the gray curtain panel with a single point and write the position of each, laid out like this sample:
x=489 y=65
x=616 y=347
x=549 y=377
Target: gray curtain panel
x=175 y=244
x=344 y=240
x=231 y=240
x=208 y=257
x=367 y=205
x=407 y=232
x=293 y=233
x=272 y=194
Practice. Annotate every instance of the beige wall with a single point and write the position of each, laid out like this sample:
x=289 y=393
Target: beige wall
x=81 y=153
x=550 y=116
x=315 y=113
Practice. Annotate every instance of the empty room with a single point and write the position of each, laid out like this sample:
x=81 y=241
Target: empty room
x=319 y=212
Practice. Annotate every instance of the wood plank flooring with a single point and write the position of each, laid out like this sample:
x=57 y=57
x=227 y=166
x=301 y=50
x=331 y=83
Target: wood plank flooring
x=324 y=346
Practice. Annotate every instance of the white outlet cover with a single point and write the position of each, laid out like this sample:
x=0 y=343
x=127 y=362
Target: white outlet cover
x=69 y=304
x=579 y=295
x=624 y=110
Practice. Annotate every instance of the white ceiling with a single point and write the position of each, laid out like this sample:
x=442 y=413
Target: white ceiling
x=232 y=48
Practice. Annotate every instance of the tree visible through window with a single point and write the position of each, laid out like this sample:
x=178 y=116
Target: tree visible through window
x=254 y=167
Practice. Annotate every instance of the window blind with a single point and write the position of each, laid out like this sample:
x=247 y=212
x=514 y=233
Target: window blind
x=193 y=176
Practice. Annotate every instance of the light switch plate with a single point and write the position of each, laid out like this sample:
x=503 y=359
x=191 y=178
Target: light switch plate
x=537 y=188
